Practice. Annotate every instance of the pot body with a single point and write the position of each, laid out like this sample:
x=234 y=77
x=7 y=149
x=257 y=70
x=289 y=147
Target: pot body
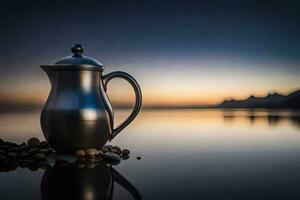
x=77 y=114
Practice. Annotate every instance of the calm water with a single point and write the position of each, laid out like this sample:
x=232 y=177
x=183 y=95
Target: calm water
x=186 y=154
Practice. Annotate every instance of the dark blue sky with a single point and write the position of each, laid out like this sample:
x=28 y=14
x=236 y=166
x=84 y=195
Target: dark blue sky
x=155 y=37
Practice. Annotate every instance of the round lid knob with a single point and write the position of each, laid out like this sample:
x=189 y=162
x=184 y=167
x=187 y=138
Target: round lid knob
x=78 y=59
x=77 y=49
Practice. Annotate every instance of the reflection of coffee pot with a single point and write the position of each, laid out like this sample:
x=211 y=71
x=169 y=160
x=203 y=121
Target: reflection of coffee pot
x=78 y=114
x=71 y=182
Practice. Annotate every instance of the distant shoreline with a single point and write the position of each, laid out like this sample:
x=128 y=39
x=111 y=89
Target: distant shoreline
x=165 y=108
x=271 y=101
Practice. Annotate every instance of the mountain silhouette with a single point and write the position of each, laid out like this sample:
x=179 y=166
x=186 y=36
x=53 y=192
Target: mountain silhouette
x=272 y=100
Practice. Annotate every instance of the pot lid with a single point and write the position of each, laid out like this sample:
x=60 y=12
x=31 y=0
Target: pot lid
x=78 y=59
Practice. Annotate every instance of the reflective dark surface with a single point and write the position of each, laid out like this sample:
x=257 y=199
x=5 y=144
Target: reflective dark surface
x=207 y=154
x=89 y=182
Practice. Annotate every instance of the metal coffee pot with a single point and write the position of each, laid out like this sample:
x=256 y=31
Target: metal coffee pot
x=77 y=113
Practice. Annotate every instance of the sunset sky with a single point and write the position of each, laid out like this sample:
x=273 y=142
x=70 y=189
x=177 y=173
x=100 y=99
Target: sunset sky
x=181 y=52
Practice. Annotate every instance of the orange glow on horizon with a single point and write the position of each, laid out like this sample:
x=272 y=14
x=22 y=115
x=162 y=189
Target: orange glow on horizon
x=194 y=84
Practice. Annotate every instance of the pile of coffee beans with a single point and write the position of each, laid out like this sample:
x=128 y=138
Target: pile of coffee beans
x=32 y=155
x=35 y=154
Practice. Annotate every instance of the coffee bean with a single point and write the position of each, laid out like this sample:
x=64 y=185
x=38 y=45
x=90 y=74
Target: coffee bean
x=100 y=153
x=44 y=144
x=104 y=150
x=117 y=147
x=109 y=156
x=80 y=153
x=116 y=151
x=11 y=144
x=24 y=154
x=108 y=146
x=4 y=146
x=91 y=152
x=13 y=149
x=33 y=142
x=125 y=152
x=22 y=147
x=12 y=154
x=2 y=152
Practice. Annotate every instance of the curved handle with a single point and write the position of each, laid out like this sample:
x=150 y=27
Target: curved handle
x=138 y=97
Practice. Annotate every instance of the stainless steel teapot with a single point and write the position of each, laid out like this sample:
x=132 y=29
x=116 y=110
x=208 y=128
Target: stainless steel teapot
x=77 y=113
